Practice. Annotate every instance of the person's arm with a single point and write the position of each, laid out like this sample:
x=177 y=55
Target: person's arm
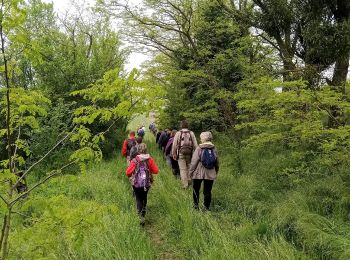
x=168 y=147
x=153 y=166
x=195 y=161
x=217 y=161
x=175 y=146
x=125 y=148
x=194 y=141
x=131 y=168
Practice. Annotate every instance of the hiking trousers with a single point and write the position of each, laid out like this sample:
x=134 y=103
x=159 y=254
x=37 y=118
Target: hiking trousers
x=184 y=165
x=175 y=167
x=141 y=200
x=208 y=185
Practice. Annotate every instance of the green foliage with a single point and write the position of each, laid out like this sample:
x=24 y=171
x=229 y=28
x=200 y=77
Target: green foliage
x=53 y=127
x=266 y=213
x=282 y=190
x=81 y=217
x=112 y=99
x=27 y=107
x=296 y=119
x=69 y=53
x=201 y=78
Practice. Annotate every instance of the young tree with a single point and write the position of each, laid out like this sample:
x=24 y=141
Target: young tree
x=203 y=51
x=113 y=97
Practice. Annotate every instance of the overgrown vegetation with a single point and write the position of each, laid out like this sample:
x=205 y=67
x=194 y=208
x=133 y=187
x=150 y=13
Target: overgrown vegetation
x=86 y=216
x=255 y=215
x=268 y=77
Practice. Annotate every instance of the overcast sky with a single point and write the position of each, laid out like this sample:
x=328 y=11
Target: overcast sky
x=135 y=59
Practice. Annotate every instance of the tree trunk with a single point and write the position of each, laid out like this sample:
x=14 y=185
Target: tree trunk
x=338 y=82
x=288 y=70
x=341 y=72
x=3 y=231
x=5 y=234
x=7 y=85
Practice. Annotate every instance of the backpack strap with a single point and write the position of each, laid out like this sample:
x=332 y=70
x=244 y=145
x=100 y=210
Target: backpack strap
x=179 y=141
x=137 y=162
x=201 y=152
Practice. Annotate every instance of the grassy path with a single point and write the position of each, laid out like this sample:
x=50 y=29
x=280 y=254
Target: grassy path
x=177 y=231
x=165 y=191
x=93 y=216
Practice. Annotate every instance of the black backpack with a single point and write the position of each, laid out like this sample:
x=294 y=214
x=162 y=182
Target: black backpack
x=131 y=143
x=133 y=152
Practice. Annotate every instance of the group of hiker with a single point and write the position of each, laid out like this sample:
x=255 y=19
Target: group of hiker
x=194 y=164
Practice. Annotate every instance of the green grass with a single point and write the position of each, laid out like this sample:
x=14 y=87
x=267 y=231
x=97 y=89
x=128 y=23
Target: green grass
x=89 y=216
x=269 y=208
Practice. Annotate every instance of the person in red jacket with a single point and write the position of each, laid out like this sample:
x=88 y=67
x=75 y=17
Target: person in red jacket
x=140 y=172
x=127 y=145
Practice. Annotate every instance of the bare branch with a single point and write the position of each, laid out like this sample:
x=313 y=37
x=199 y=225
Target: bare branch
x=16 y=147
x=4 y=200
x=179 y=22
x=42 y=158
x=21 y=214
x=269 y=41
x=53 y=173
x=90 y=44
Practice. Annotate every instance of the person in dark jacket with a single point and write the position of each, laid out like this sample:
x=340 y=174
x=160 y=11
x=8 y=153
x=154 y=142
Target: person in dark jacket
x=162 y=138
x=127 y=145
x=166 y=139
x=133 y=150
x=201 y=172
x=169 y=158
x=158 y=135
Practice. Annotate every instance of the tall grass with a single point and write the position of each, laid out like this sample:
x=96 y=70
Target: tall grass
x=267 y=208
x=267 y=211
x=89 y=216
x=223 y=233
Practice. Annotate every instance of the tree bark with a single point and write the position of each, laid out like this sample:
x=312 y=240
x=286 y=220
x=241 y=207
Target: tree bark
x=340 y=74
x=7 y=84
x=5 y=234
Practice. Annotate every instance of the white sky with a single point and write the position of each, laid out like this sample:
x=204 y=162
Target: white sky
x=135 y=58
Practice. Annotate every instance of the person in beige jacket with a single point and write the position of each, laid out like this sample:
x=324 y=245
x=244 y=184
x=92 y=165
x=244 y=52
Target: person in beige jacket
x=184 y=145
x=204 y=168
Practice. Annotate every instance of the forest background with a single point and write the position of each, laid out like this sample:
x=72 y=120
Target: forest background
x=268 y=77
